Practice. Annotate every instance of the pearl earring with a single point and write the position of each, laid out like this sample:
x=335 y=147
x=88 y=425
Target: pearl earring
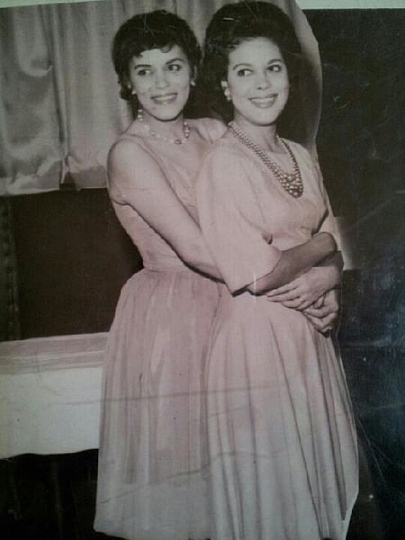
x=139 y=115
x=133 y=93
x=227 y=93
x=192 y=83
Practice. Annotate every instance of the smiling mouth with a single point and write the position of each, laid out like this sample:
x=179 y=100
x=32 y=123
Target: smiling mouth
x=165 y=99
x=264 y=102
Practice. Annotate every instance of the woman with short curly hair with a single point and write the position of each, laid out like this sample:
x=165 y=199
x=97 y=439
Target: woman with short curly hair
x=151 y=481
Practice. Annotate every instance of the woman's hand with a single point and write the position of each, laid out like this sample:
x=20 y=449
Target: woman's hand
x=306 y=290
x=325 y=318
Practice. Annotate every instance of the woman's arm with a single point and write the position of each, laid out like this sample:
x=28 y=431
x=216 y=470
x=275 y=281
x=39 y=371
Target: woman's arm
x=294 y=262
x=305 y=290
x=135 y=179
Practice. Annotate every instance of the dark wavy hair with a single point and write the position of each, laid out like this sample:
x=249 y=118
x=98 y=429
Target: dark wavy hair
x=154 y=30
x=229 y=27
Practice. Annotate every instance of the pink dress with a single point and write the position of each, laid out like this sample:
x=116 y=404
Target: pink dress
x=282 y=441
x=152 y=484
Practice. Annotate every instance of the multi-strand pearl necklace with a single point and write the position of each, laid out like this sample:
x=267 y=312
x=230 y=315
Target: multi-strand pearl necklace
x=291 y=182
x=186 y=131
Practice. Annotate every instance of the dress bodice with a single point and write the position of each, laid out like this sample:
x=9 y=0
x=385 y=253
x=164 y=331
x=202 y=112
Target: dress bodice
x=248 y=218
x=180 y=165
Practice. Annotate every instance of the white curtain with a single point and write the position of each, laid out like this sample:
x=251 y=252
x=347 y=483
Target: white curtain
x=60 y=109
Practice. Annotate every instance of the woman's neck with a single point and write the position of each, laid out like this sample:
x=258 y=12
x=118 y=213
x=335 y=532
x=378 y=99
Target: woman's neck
x=165 y=128
x=264 y=136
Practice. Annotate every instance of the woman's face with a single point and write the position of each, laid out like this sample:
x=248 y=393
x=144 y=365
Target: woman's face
x=257 y=81
x=161 y=79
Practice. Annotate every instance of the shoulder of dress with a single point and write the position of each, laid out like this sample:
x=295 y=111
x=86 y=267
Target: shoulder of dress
x=222 y=160
x=132 y=138
x=296 y=146
x=210 y=128
x=301 y=152
x=226 y=148
x=128 y=145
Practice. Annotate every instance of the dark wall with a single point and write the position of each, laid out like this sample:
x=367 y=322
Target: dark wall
x=361 y=136
x=361 y=150
x=72 y=259
x=9 y=315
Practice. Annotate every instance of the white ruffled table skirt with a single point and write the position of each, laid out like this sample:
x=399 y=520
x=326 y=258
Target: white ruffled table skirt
x=50 y=391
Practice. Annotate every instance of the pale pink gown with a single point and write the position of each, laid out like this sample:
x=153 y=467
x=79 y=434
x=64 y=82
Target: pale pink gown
x=151 y=483
x=282 y=441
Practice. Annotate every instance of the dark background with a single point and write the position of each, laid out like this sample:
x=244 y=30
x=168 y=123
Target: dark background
x=65 y=259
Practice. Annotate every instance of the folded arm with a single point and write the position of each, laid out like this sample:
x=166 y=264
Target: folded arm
x=294 y=262
x=238 y=237
x=305 y=290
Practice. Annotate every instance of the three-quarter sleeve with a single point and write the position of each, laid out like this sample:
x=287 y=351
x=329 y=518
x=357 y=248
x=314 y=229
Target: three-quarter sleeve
x=230 y=219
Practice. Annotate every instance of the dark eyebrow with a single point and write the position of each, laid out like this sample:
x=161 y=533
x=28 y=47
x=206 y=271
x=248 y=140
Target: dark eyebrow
x=136 y=66
x=237 y=66
x=247 y=64
x=175 y=60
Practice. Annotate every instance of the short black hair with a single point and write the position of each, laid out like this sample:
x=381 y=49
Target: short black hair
x=153 y=30
x=229 y=27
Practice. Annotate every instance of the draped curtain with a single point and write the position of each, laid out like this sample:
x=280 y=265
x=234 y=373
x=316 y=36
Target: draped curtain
x=60 y=109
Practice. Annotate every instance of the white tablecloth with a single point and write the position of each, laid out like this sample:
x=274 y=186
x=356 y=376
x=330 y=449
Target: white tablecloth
x=50 y=392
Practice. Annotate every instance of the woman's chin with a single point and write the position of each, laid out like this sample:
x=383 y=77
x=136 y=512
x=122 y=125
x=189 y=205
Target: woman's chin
x=164 y=113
